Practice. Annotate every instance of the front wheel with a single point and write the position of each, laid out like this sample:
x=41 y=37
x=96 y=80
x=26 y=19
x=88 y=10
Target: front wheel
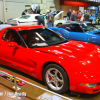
x=56 y=78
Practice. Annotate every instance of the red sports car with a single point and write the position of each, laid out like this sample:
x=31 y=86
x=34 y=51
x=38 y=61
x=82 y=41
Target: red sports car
x=45 y=55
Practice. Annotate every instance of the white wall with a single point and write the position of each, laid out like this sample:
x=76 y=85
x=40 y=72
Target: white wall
x=14 y=0
x=1 y=11
x=13 y=9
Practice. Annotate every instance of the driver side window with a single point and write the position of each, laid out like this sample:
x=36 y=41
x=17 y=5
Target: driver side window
x=11 y=36
x=75 y=28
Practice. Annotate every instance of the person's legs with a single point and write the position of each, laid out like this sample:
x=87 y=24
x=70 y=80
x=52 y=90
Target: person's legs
x=39 y=22
x=50 y=24
x=43 y=22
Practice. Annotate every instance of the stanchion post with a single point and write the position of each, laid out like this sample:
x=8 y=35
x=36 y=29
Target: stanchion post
x=15 y=87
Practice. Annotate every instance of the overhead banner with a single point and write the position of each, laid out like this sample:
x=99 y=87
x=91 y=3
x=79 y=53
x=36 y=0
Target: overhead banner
x=73 y=3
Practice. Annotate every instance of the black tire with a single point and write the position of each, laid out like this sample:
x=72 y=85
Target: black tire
x=58 y=24
x=56 y=78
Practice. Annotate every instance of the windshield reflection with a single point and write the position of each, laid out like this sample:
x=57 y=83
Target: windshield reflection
x=41 y=37
x=88 y=27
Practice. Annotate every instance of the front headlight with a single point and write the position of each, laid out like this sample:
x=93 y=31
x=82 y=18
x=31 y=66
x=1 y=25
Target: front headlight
x=89 y=84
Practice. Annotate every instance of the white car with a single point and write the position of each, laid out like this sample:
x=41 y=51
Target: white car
x=31 y=19
x=4 y=26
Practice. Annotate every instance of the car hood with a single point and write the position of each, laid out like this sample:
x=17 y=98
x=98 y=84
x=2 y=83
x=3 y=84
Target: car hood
x=73 y=50
x=58 y=14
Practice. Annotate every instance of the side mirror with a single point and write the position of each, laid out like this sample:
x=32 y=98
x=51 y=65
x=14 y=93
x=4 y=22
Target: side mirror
x=13 y=44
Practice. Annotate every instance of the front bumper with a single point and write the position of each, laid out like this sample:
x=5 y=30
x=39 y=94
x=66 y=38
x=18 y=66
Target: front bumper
x=84 y=89
x=76 y=79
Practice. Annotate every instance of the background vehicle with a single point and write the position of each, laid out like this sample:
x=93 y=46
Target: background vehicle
x=4 y=26
x=80 y=31
x=31 y=19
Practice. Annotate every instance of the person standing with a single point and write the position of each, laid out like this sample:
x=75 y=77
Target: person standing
x=79 y=16
x=69 y=14
x=41 y=20
x=49 y=19
x=74 y=16
x=24 y=12
x=51 y=13
x=87 y=16
x=82 y=17
x=52 y=18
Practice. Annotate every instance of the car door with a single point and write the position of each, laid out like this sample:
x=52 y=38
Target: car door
x=94 y=37
x=76 y=33
x=13 y=55
x=64 y=30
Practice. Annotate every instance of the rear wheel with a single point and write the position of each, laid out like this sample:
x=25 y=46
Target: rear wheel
x=56 y=78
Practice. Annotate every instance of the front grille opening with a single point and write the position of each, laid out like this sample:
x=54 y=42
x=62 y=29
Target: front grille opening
x=96 y=90
x=98 y=83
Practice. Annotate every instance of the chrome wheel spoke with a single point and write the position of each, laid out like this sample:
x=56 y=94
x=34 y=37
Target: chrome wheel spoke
x=56 y=84
x=51 y=81
x=61 y=81
x=50 y=74
x=56 y=73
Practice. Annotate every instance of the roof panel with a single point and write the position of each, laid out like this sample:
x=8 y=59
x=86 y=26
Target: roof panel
x=26 y=27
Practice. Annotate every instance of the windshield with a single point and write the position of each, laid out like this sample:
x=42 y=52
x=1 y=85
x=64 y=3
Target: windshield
x=24 y=17
x=88 y=27
x=41 y=37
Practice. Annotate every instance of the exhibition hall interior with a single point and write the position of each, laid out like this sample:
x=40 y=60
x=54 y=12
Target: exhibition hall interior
x=50 y=50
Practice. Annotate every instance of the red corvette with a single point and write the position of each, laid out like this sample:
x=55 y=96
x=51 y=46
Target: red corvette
x=45 y=55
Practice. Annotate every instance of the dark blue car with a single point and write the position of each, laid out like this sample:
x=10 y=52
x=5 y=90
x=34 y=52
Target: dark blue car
x=80 y=31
